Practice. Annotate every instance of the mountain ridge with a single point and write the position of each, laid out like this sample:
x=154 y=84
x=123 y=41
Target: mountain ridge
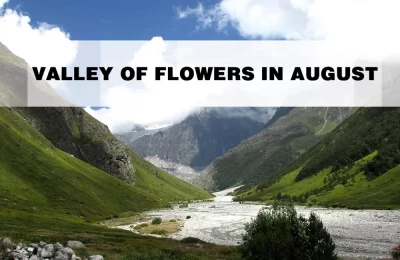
x=292 y=132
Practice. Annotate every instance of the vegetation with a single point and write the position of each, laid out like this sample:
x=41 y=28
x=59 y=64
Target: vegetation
x=113 y=244
x=37 y=177
x=156 y=221
x=348 y=187
x=159 y=232
x=263 y=156
x=283 y=234
x=355 y=166
x=368 y=130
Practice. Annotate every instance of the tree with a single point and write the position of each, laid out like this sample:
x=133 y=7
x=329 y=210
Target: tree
x=280 y=233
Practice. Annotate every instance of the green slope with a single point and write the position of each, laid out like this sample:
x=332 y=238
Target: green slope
x=264 y=155
x=37 y=177
x=356 y=165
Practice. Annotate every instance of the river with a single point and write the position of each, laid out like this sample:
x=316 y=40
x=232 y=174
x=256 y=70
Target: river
x=357 y=233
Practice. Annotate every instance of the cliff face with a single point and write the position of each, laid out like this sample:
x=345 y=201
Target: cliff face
x=70 y=129
x=199 y=139
x=79 y=134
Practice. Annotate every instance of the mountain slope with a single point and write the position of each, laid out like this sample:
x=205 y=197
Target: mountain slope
x=356 y=165
x=63 y=161
x=266 y=153
x=199 y=139
x=35 y=174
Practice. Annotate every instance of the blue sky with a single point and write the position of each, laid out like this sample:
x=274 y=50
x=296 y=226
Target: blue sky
x=120 y=19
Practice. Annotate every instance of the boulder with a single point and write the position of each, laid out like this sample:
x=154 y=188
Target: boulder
x=19 y=246
x=57 y=246
x=47 y=251
x=6 y=243
x=65 y=253
x=34 y=245
x=96 y=257
x=42 y=244
x=34 y=257
x=75 y=244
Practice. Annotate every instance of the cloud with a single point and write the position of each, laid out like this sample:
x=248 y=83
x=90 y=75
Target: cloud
x=301 y=19
x=2 y=3
x=41 y=45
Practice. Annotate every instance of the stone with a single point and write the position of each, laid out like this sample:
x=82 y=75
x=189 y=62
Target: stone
x=75 y=244
x=42 y=244
x=19 y=246
x=30 y=249
x=65 y=253
x=34 y=245
x=34 y=257
x=96 y=257
x=6 y=243
x=47 y=251
x=57 y=246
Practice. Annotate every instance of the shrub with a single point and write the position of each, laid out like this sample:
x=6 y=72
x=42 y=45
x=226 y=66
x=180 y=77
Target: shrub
x=141 y=226
x=156 y=221
x=396 y=252
x=281 y=233
x=159 y=232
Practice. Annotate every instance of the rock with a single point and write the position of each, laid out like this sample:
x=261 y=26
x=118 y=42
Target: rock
x=30 y=249
x=47 y=251
x=42 y=244
x=6 y=243
x=188 y=217
x=22 y=254
x=34 y=245
x=96 y=257
x=75 y=244
x=19 y=246
x=57 y=246
x=65 y=253
x=34 y=257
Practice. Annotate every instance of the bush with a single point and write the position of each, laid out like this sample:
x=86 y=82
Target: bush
x=396 y=252
x=281 y=233
x=156 y=221
x=159 y=232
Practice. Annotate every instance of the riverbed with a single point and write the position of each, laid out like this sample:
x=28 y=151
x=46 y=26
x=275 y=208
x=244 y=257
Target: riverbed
x=357 y=233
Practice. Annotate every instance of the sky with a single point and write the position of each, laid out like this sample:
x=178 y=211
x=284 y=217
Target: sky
x=44 y=32
x=119 y=19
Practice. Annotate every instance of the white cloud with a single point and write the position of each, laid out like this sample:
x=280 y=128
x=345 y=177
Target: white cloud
x=2 y=3
x=302 y=19
x=149 y=102
x=41 y=45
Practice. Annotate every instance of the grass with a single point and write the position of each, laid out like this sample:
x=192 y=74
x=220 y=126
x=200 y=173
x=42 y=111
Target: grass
x=113 y=244
x=47 y=194
x=165 y=227
x=36 y=177
x=358 y=192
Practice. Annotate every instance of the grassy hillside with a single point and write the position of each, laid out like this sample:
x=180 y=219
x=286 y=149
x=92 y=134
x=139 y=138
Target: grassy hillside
x=270 y=151
x=37 y=177
x=356 y=165
x=62 y=171
x=113 y=244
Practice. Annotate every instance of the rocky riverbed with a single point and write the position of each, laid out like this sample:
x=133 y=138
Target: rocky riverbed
x=357 y=233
